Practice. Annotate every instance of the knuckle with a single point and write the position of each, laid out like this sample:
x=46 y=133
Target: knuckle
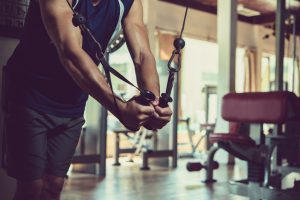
x=140 y=110
x=139 y=117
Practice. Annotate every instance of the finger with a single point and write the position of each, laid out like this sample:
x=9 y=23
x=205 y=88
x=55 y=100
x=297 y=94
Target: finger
x=164 y=119
x=163 y=111
x=155 y=102
x=156 y=115
x=148 y=110
x=143 y=117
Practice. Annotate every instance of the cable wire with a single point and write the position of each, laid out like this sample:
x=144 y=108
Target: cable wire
x=184 y=19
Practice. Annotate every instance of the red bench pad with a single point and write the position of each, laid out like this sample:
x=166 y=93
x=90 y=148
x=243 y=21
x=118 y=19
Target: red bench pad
x=260 y=107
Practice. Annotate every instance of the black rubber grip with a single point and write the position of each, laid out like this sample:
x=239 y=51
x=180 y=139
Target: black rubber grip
x=164 y=100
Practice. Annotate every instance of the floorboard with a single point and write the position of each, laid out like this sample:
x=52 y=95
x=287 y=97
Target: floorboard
x=127 y=182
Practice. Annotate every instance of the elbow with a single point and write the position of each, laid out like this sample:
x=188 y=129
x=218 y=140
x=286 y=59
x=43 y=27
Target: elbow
x=142 y=57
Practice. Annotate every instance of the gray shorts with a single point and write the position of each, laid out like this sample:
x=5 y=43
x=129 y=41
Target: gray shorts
x=39 y=143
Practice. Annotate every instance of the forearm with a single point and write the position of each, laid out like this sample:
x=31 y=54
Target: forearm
x=147 y=75
x=88 y=77
x=139 y=48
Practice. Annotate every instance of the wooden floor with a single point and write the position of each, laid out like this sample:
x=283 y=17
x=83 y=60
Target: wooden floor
x=127 y=182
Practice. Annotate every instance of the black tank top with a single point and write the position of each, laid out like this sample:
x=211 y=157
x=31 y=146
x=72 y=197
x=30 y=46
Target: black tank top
x=37 y=79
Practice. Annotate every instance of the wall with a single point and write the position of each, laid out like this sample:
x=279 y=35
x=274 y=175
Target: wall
x=7 y=184
x=268 y=45
x=201 y=25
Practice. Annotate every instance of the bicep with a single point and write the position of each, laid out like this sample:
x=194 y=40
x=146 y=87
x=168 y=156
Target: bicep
x=135 y=31
x=57 y=19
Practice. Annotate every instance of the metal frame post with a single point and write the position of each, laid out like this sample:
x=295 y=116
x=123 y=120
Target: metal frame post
x=280 y=30
x=103 y=142
x=174 y=124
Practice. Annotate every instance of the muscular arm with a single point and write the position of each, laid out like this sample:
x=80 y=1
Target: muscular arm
x=138 y=44
x=144 y=61
x=57 y=18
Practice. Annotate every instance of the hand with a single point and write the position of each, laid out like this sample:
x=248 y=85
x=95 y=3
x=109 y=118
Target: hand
x=134 y=115
x=160 y=118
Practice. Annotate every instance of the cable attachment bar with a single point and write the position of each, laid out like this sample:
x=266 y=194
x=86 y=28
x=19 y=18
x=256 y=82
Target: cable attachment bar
x=173 y=65
x=166 y=98
x=179 y=44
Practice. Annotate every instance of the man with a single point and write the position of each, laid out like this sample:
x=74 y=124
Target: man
x=49 y=77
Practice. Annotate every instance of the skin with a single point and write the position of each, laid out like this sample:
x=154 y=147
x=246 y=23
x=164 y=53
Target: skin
x=57 y=18
x=145 y=65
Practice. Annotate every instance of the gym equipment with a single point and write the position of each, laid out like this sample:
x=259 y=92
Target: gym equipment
x=259 y=149
x=118 y=149
x=292 y=24
x=137 y=141
x=140 y=146
x=208 y=127
x=209 y=91
x=190 y=134
x=194 y=144
x=191 y=167
x=234 y=128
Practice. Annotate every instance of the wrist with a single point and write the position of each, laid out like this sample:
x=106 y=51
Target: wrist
x=122 y=106
x=118 y=108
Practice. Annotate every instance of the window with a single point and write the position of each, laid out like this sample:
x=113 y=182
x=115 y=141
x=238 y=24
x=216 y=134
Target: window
x=200 y=79
x=290 y=76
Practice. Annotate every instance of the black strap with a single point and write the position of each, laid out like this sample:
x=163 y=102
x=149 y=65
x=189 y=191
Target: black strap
x=108 y=68
x=108 y=77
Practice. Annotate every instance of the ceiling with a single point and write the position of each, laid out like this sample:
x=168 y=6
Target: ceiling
x=266 y=8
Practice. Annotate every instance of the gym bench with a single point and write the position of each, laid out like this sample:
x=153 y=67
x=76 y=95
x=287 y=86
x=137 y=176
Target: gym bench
x=259 y=149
